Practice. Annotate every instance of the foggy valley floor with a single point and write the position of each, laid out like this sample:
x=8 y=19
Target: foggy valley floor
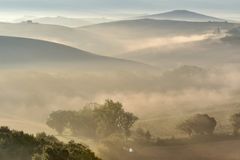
x=227 y=150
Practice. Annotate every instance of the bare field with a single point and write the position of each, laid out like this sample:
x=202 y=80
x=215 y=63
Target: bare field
x=226 y=150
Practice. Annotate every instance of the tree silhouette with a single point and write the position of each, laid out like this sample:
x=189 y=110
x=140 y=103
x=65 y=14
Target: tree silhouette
x=100 y=121
x=200 y=124
x=113 y=119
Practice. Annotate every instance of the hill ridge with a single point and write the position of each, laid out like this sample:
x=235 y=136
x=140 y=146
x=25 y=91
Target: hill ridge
x=184 y=15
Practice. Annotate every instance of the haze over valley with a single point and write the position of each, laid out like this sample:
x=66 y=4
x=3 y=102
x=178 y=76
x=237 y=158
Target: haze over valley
x=155 y=84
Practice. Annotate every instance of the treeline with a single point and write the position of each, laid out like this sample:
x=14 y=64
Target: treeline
x=103 y=121
x=98 y=122
x=15 y=145
x=203 y=124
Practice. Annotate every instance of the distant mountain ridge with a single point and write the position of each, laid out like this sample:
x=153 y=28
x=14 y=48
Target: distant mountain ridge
x=184 y=15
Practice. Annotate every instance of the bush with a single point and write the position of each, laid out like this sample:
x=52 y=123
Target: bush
x=15 y=145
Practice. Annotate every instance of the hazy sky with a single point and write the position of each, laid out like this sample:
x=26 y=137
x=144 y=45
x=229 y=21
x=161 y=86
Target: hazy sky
x=215 y=7
x=119 y=4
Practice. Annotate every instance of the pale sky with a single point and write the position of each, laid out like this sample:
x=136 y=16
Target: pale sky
x=230 y=5
x=225 y=8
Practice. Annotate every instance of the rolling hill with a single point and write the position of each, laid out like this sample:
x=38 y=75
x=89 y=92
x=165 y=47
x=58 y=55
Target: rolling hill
x=129 y=35
x=113 y=38
x=77 y=38
x=153 y=27
x=207 y=52
x=23 y=52
x=184 y=15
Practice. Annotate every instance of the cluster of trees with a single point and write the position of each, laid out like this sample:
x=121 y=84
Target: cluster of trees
x=200 y=124
x=110 y=123
x=203 y=124
x=98 y=122
x=15 y=145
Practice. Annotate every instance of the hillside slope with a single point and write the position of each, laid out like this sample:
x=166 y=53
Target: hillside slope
x=111 y=38
x=23 y=52
x=184 y=15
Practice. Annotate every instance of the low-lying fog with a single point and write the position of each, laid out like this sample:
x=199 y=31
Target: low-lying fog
x=32 y=95
x=154 y=96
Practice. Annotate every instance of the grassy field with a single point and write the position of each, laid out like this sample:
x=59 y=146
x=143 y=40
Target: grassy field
x=225 y=150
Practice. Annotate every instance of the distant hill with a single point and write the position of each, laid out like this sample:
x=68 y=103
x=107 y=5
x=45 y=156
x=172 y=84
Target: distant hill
x=184 y=15
x=78 y=38
x=129 y=34
x=208 y=52
x=112 y=38
x=154 y=27
x=70 y=22
x=22 y=52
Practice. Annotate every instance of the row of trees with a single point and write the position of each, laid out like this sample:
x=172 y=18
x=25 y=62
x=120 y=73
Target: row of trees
x=15 y=145
x=103 y=121
x=203 y=124
x=97 y=122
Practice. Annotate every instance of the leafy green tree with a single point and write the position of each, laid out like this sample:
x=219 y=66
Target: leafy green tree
x=85 y=154
x=16 y=145
x=56 y=151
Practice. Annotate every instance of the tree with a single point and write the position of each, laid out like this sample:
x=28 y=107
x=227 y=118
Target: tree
x=235 y=120
x=112 y=118
x=84 y=154
x=80 y=123
x=100 y=121
x=37 y=157
x=83 y=123
x=17 y=145
x=200 y=124
x=186 y=127
x=59 y=120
